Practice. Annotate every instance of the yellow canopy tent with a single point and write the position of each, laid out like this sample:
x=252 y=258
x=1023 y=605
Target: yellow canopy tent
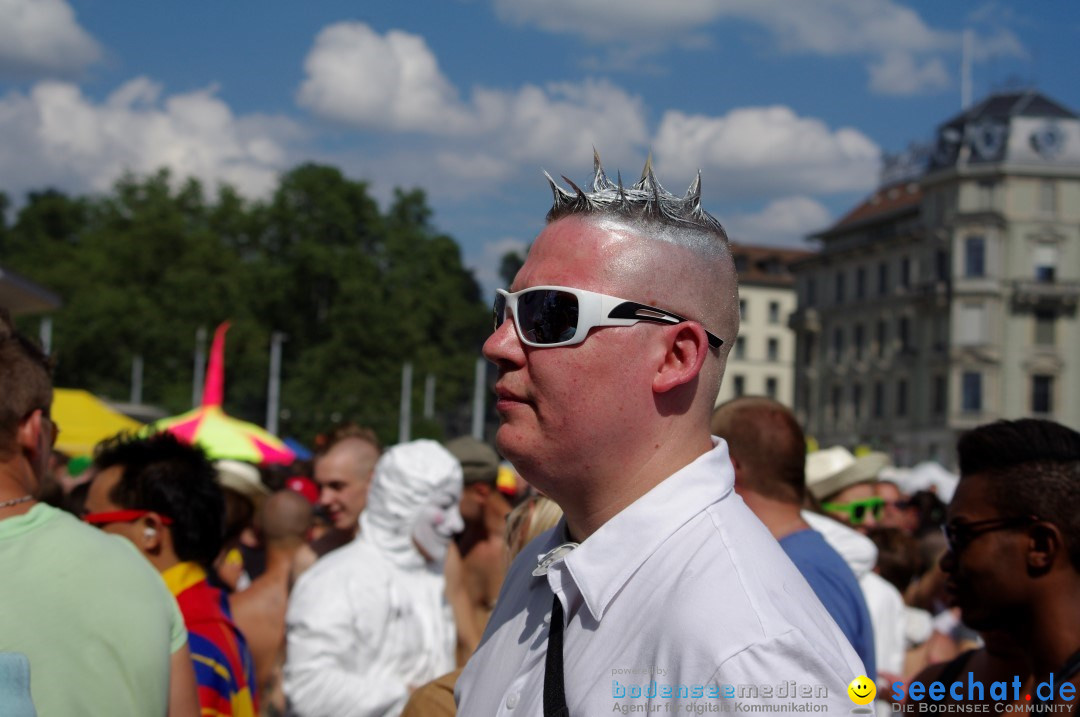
x=84 y=420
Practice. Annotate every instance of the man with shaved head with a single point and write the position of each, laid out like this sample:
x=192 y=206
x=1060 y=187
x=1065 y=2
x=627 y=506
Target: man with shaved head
x=659 y=586
x=344 y=464
x=768 y=453
x=282 y=527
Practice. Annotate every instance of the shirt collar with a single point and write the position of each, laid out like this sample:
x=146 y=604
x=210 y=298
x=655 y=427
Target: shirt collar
x=602 y=565
x=182 y=576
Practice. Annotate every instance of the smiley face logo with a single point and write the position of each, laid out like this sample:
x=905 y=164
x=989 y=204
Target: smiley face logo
x=862 y=690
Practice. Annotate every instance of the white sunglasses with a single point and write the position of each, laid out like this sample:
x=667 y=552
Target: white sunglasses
x=547 y=316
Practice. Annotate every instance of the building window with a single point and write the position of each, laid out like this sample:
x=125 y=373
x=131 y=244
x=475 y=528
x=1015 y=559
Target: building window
x=903 y=333
x=882 y=337
x=770 y=387
x=856 y=401
x=879 y=400
x=740 y=347
x=742 y=309
x=1042 y=389
x=857 y=342
x=901 y=398
x=837 y=397
x=1046 y=261
x=809 y=345
x=860 y=283
x=941 y=265
x=1045 y=328
x=811 y=291
x=838 y=344
x=985 y=197
x=773 y=349
x=905 y=272
x=971 y=324
x=739 y=385
x=774 y=312
x=741 y=263
x=882 y=279
x=975 y=257
x=971 y=399
x=839 y=287
x=939 y=395
x=1048 y=197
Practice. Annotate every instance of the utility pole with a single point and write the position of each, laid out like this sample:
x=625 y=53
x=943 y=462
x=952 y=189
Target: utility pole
x=199 y=374
x=429 y=397
x=45 y=332
x=405 y=422
x=479 y=388
x=136 y=379
x=273 y=387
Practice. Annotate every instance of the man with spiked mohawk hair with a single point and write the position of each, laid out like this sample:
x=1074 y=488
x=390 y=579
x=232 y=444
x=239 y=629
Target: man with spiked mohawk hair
x=659 y=586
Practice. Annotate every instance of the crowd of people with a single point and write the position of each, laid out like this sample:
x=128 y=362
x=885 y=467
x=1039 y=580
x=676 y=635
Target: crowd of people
x=646 y=548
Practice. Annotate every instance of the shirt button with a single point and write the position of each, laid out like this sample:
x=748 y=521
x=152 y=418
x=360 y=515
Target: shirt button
x=512 y=700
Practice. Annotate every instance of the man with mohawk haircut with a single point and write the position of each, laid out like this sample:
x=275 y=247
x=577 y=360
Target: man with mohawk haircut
x=659 y=590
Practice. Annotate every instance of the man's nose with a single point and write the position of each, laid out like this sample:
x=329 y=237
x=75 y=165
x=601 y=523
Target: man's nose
x=947 y=561
x=504 y=345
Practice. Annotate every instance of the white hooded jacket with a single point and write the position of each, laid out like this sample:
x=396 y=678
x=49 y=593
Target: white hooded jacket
x=370 y=621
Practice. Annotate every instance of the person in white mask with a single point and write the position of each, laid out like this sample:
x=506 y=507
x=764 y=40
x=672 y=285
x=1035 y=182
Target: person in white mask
x=370 y=622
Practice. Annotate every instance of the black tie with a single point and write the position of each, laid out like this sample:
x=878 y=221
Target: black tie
x=554 y=694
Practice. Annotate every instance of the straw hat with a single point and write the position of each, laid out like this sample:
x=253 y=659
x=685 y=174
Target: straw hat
x=244 y=478
x=831 y=470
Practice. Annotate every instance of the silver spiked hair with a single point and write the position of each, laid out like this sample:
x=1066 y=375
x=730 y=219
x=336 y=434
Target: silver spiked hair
x=645 y=200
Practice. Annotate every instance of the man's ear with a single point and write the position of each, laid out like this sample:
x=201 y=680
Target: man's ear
x=153 y=534
x=1045 y=545
x=686 y=349
x=28 y=435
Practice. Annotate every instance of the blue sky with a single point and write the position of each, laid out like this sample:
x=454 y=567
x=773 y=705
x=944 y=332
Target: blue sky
x=785 y=105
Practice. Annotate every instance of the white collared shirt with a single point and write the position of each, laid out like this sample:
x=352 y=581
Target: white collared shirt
x=683 y=588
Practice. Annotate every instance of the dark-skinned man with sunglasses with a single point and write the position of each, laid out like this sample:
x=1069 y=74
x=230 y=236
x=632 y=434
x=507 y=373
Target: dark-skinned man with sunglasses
x=659 y=589
x=1013 y=531
x=85 y=621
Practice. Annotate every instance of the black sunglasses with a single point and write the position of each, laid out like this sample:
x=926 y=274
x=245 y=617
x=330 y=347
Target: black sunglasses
x=547 y=316
x=959 y=535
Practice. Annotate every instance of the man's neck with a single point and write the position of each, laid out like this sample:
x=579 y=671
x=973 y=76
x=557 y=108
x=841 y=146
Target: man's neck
x=1055 y=633
x=598 y=499
x=782 y=519
x=279 y=561
x=16 y=482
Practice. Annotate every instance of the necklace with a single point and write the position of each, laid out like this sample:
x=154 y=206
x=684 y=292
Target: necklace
x=15 y=501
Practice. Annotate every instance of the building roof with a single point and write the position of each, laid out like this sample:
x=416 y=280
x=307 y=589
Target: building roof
x=769 y=265
x=1015 y=103
x=19 y=295
x=883 y=204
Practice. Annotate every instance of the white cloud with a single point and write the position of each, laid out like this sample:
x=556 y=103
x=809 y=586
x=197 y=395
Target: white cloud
x=784 y=222
x=766 y=151
x=41 y=38
x=356 y=76
x=607 y=20
x=899 y=73
x=888 y=35
x=392 y=83
x=69 y=141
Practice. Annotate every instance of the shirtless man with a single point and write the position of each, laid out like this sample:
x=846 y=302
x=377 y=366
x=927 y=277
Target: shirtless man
x=259 y=611
x=475 y=571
